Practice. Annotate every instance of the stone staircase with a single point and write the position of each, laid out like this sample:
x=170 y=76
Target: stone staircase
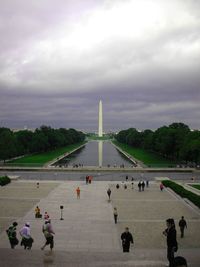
x=21 y=258
x=137 y=258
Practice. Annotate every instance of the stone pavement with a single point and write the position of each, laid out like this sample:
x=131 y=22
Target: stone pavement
x=18 y=197
x=88 y=237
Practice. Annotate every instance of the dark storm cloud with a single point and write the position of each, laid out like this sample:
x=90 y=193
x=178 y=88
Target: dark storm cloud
x=140 y=57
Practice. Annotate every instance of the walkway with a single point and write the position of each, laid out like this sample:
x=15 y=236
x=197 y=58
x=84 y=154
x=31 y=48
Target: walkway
x=88 y=237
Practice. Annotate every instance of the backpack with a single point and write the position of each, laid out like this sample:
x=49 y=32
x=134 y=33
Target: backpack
x=11 y=232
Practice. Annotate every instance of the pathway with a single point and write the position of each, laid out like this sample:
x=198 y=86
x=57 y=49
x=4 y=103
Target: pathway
x=88 y=236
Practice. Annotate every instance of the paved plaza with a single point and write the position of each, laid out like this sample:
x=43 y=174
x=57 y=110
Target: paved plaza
x=88 y=236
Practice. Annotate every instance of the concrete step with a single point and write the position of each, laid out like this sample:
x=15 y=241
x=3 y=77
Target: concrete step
x=22 y=258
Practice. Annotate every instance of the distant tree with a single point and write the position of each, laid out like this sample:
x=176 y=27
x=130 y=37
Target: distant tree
x=7 y=144
x=43 y=139
x=133 y=137
x=23 y=140
x=39 y=142
x=121 y=136
x=147 y=139
x=176 y=141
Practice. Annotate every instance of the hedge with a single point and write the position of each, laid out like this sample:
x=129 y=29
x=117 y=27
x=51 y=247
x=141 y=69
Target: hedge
x=4 y=180
x=181 y=191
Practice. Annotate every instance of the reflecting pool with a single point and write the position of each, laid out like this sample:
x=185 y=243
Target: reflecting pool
x=96 y=153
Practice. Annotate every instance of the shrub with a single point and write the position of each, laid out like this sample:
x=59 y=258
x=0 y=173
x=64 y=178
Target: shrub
x=181 y=191
x=4 y=180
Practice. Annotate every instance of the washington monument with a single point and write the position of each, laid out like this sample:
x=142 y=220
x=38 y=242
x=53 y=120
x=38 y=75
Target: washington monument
x=100 y=119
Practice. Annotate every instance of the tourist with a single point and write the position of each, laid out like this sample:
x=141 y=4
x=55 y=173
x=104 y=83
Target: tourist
x=46 y=215
x=86 y=179
x=115 y=213
x=126 y=238
x=139 y=186
x=25 y=233
x=147 y=183
x=109 y=193
x=161 y=187
x=180 y=262
x=12 y=235
x=132 y=185
x=48 y=234
x=117 y=186
x=90 y=179
x=37 y=213
x=172 y=245
x=143 y=185
x=126 y=178
x=182 y=224
x=78 y=192
x=125 y=186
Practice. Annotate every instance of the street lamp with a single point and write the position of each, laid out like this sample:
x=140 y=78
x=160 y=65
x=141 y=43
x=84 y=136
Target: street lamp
x=61 y=213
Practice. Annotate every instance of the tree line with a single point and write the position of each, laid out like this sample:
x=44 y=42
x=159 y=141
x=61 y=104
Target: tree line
x=43 y=139
x=175 y=142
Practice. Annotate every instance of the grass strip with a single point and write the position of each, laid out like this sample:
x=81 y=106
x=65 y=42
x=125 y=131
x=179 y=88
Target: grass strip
x=40 y=159
x=148 y=158
x=196 y=186
x=181 y=191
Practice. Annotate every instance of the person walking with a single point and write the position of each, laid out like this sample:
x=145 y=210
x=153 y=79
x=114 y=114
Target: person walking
x=161 y=187
x=132 y=185
x=182 y=224
x=139 y=186
x=46 y=215
x=78 y=192
x=126 y=238
x=115 y=213
x=172 y=245
x=143 y=185
x=25 y=233
x=12 y=235
x=48 y=234
x=109 y=193
x=90 y=179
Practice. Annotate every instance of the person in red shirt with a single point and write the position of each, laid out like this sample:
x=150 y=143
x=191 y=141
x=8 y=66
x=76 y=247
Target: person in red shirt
x=78 y=192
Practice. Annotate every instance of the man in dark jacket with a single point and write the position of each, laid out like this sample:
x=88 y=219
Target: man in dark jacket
x=12 y=235
x=109 y=193
x=126 y=238
x=182 y=224
x=172 y=245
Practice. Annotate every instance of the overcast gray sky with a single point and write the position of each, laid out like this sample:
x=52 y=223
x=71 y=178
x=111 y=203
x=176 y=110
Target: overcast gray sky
x=58 y=58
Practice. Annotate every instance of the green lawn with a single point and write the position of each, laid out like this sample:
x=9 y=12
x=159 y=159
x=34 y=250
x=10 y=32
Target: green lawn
x=42 y=158
x=96 y=137
x=197 y=186
x=148 y=158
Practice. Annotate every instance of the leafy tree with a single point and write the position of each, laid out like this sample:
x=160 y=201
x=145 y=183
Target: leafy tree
x=176 y=141
x=7 y=144
x=23 y=140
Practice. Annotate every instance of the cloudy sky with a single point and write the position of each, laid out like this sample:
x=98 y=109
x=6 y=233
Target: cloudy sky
x=58 y=58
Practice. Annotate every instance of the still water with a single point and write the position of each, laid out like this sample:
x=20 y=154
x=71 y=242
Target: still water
x=96 y=153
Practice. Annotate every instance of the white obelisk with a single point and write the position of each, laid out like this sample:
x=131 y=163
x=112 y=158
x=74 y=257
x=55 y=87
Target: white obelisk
x=100 y=119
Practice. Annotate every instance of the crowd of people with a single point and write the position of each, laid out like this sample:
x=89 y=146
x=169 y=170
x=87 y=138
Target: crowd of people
x=126 y=237
x=25 y=232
